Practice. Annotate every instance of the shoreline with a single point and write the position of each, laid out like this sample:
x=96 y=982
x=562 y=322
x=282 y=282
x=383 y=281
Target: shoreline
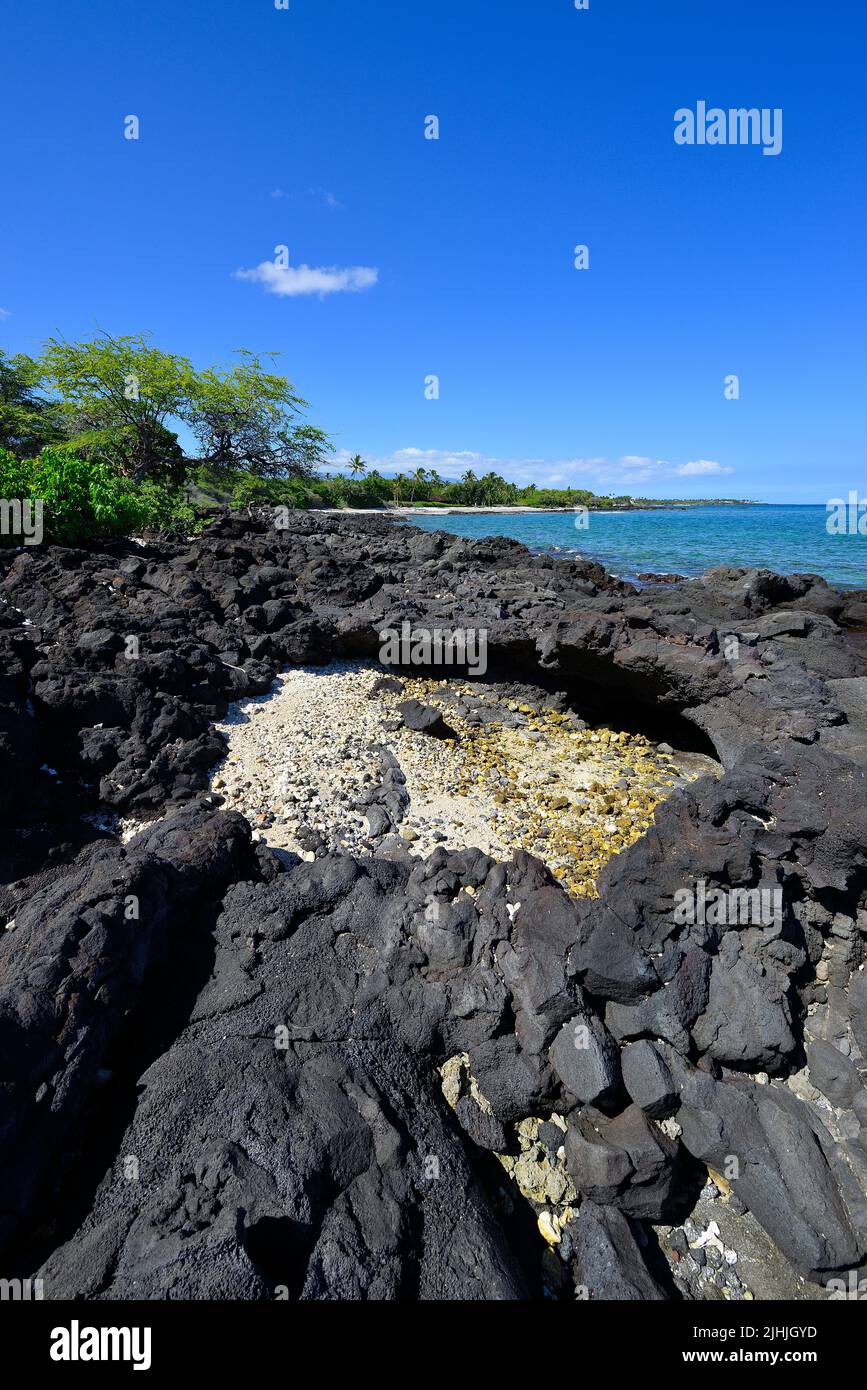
x=670 y=562
x=422 y=510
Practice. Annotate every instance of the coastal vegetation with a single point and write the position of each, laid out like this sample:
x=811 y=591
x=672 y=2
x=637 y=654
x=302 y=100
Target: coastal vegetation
x=422 y=488
x=92 y=429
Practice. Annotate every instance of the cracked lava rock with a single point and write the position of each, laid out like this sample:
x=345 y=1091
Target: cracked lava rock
x=223 y=1059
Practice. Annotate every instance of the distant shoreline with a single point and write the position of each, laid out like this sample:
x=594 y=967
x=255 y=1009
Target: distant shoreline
x=421 y=510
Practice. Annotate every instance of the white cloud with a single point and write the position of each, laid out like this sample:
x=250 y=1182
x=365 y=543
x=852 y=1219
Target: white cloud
x=291 y=280
x=5 y=314
x=616 y=475
x=701 y=468
x=635 y=468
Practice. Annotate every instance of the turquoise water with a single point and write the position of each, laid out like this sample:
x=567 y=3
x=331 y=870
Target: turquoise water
x=786 y=538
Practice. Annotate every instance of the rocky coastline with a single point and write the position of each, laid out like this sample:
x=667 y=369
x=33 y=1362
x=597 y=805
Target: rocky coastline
x=297 y=1053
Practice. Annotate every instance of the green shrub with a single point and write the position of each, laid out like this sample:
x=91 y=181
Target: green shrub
x=247 y=489
x=86 y=501
x=292 y=492
x=166 y=508
x=15 y=475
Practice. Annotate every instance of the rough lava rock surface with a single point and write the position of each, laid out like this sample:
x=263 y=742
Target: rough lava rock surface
x=219 y=1065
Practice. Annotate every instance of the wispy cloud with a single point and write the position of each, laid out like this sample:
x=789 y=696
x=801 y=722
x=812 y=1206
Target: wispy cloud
x=291 y=281
x=322 y=195
x=616 y=474
x=5 y=313
x=636 y=467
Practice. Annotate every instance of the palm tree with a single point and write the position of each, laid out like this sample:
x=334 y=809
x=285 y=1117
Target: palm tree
x=418 y=479
x=469 y=481
x=357 y=466
x=397 y=485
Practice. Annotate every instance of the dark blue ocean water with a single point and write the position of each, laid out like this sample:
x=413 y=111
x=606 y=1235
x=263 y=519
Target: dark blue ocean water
x=788 y=539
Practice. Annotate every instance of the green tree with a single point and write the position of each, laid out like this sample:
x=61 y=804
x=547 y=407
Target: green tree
x=374 y=490
x=357 y=466
x=248 y=417
x=494 y=491
x=115 y=446
x=128 y=388
x=417 y=480
x=398 y=484
x=27 y=420
x=468 y=488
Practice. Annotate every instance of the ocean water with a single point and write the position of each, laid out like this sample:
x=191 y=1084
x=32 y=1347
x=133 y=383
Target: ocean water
x=788 y=539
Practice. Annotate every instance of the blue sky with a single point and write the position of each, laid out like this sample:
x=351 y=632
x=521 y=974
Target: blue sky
x=262 y=127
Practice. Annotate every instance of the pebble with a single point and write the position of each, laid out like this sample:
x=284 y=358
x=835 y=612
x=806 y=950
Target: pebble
x=524 y=776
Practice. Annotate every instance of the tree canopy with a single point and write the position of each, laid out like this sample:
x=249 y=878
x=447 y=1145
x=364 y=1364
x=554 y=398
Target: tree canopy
x=117 y=398
x=247 y=417
x=28 y=422
x=124 y=385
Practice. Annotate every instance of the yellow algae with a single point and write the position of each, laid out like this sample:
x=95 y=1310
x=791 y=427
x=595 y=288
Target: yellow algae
x=553 y=794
